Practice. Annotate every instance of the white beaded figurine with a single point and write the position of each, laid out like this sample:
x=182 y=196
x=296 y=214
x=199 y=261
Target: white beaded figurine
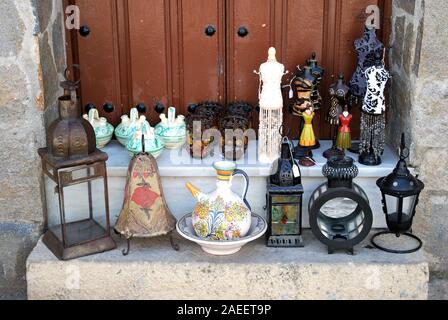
x=271 y=108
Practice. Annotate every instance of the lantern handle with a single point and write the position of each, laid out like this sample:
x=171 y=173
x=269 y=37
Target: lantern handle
x=143 y=144
x=282 y=127
x=404 y=151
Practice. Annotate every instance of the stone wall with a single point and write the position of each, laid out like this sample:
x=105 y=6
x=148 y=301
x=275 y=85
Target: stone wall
x=32 y=58
x=419 y=107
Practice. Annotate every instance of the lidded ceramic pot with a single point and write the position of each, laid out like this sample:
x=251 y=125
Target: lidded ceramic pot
x=222 y=214
x=172 y=130
x=103 y=130
x=153 y=144
x=124 y=130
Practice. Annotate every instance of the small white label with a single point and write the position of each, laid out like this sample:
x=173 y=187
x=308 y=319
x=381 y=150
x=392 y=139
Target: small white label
x=296 y=171
x=291 y=94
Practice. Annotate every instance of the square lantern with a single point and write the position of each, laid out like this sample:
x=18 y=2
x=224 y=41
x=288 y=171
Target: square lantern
x=284 y=213
x=77 y=216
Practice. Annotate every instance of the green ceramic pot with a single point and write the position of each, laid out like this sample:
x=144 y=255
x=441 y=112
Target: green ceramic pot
x=103 y=130
x=172 y=130
x=127 y=127
x=153 y=144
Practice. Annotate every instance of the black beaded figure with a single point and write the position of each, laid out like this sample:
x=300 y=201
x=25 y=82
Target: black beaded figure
x=373 y=116
x=366 y=47
x=339 y=99
x=318 y=73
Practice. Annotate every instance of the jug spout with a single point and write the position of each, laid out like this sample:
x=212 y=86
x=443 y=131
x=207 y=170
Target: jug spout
x=194 y=191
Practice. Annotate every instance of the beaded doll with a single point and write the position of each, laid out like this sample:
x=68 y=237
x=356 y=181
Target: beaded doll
x=339 y=92
x=344 y=140
x=366 y=47
x=373 y=117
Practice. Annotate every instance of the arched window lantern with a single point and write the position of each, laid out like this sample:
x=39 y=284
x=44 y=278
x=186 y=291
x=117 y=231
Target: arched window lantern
x=400 y=193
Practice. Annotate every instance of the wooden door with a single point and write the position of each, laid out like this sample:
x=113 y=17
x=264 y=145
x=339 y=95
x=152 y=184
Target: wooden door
x=150 y=51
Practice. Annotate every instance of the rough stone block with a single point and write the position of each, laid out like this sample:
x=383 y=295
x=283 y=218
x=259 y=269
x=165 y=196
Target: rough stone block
x=406 y=5
x=16 y=242
x=154 y=271
x=12 y=27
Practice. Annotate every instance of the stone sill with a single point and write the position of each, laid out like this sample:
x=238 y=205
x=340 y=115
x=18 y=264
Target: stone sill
x=180 y=164
x=154 y=271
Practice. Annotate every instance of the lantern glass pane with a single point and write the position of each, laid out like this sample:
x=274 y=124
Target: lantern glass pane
x=52 y=201
x=392 y=204
x=408 y=205
x=285 y=219
x=339 y=208
x=84 y=205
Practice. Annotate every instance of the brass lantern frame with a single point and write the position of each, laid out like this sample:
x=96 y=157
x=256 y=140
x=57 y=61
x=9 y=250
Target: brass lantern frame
x=87 y=236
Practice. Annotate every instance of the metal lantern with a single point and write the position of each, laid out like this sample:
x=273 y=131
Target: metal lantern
x=77 y=217
x=284 y=202
x=340 y=214
x=400 y=192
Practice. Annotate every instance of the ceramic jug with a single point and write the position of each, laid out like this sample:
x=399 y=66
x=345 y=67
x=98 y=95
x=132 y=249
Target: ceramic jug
x=222 y=214
x=172 y=130
x=124 y=130
x=103 y=130
x=153 y=144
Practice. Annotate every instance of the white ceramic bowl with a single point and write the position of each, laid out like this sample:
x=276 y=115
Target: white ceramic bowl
x=222 y=248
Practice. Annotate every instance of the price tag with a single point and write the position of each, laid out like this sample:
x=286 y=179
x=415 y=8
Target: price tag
x=296 y=171
x=291 y=94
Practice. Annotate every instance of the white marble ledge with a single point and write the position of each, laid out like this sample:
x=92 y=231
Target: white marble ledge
x=180 y=164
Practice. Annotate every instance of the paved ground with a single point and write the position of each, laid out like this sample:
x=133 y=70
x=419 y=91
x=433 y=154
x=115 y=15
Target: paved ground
x=438 y=289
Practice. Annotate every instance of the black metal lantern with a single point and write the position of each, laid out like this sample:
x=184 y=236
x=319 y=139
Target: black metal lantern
x=284 y=201
x=400 y=195
x=340 y=214
x=77 y=216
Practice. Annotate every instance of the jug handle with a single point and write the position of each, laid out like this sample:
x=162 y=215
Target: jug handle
x=246 y=185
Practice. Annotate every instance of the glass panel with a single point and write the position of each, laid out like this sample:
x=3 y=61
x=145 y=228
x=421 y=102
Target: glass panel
x=408 y=205
x=84 y=205
x=392 y=205
x=285 y=199
x=52 y=200
x=339 y=208
x=285 y=220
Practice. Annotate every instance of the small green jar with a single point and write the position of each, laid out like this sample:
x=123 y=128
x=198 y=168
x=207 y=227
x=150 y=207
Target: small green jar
x=154 y=145
x=103 y=130
x=126 y=128
x=172 y=130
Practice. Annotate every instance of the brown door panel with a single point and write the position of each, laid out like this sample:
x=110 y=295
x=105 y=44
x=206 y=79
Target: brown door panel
x=303 y=33
x=201 y=56
x=97 y=56
x=149 y=53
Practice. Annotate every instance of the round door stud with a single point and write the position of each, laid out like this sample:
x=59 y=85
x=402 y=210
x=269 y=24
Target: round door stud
x=89 y=107
x=159 y=108
x=141 y=108
x=108 y=107
x=84 y=31
x=243 y=32
x=210 y=31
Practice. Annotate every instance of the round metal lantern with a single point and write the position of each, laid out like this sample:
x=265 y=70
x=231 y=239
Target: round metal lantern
x=340 y=214
x=400 y=195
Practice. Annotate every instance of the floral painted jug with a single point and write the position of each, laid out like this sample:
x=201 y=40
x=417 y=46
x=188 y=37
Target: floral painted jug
x=172 y=130
x=222 y=214
x=153 y=144
x=125 y=130
x=103 y=130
